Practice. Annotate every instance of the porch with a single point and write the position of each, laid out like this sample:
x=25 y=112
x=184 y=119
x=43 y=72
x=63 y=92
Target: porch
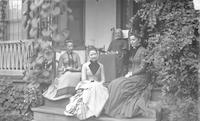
x=15 y=54
x=14 y=60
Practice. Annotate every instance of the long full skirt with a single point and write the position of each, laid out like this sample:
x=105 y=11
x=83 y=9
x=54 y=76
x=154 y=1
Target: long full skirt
x=63 y=87
x=127 y=97
x=88 y=101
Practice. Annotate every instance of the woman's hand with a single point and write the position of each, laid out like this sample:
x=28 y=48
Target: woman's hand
x=129 y=74
x=68 y=69
x=79 y=90
x=102 y=82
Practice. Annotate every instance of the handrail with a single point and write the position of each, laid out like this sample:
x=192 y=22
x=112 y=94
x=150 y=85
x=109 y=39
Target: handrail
x=15 y=41
x=14 y=56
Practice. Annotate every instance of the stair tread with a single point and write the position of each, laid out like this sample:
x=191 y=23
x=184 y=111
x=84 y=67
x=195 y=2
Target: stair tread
x=59 y=111
x=56 y=103
x=47 y=109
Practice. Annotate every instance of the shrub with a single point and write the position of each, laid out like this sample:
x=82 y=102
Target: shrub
x=173 y=46
x=16 y=102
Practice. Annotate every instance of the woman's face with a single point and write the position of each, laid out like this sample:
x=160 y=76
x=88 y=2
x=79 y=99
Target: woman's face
x=70 y=46
x=93 y=55
x=134 y=41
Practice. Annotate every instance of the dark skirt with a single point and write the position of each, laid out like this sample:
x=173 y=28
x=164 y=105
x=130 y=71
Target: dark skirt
x=124 y=95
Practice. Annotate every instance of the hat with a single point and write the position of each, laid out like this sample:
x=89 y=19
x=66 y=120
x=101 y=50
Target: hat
x=91 y=47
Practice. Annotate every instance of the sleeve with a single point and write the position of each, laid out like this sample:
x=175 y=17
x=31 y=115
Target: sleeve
x=143 y=64
x=83 y=73
x=102 y=73
x=60 y=63
x=78 y=62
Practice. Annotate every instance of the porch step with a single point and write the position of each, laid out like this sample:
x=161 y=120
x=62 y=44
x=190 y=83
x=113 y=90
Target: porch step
x=45 y=113
x=58 y=103
x=156 y=96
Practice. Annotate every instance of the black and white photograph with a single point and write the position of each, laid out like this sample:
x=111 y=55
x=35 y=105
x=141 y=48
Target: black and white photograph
x=99 y=60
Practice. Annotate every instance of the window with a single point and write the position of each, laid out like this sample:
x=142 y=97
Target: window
x=14 y=30
x=13 y=21
x=75 y=25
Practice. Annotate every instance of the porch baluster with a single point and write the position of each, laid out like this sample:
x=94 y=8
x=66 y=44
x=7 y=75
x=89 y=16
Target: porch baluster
x=1 y=58
x=14 y=56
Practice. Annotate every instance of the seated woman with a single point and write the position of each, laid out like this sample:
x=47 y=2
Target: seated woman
x=119 y=45
x=128 y=95
x=91 y=94
x=69 y=75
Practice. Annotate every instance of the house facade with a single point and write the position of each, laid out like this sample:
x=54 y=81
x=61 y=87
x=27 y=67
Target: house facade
x=91 y=23
x=94 y=19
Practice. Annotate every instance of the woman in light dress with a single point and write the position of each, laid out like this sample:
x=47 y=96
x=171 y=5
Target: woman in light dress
x=91 y=95
x=69 y=75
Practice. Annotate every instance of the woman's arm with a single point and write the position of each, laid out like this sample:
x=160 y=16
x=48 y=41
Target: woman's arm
x=78 y=63
x=143 y=64
x=78 y=66
x=141 y=69
x=83 y=77
x=60 y=66
x=83 y=73
x=130 y=72
x=102 y=74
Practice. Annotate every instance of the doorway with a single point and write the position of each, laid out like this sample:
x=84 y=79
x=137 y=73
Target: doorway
x=125 y=10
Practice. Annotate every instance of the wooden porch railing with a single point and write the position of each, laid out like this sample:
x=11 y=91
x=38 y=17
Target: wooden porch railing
x=14 y=57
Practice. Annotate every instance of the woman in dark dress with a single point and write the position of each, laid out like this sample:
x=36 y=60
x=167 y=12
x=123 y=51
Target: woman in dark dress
x=128 y=95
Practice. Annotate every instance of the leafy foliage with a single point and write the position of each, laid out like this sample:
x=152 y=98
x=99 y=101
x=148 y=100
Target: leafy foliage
x=41 y=21
x=173 y=47
x=12 y=102
x=182 y=109
x=40 y=70
x=15 y=101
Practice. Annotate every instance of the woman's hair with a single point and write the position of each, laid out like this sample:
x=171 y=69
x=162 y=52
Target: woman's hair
x=68 y=41
x=91 y=48
x=139 y=30
x=143 y=40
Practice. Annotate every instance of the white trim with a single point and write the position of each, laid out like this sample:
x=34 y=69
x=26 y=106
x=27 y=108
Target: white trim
x=196 y=4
